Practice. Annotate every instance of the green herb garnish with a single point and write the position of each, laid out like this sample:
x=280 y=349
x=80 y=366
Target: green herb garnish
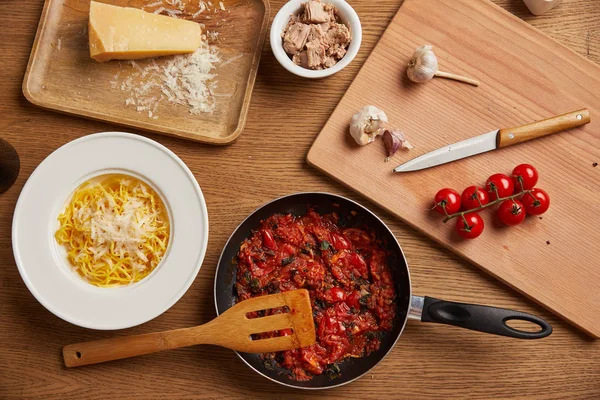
x=287 y=261
x=333 y=370
x=255 y=285
x=269 y=363
x=363 y=300
x=325 y=245
x=320 y=303
x=374 y=335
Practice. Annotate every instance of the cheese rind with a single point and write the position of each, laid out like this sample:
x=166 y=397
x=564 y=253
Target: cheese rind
x=123 y=33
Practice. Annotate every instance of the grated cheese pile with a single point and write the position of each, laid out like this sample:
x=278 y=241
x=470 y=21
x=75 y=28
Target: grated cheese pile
x=185 y=80
x=176 y=7
x=123 y=226
x=124 y=230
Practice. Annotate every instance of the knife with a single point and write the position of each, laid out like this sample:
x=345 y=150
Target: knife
x=496 y=139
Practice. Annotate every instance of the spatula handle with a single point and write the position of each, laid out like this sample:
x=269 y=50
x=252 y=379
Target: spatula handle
x=510 y=136
x=79 y=354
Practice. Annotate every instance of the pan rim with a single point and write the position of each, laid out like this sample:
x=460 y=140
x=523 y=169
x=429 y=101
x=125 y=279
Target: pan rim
x=363 y=208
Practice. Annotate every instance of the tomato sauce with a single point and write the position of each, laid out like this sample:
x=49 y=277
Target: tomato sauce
x=348 y=277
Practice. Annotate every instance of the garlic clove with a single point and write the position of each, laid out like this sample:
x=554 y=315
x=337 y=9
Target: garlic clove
x=423 y=65
x=367 y=124
x=394 y=140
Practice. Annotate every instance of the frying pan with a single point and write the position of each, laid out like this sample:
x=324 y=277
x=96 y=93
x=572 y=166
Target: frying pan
x=426 y=309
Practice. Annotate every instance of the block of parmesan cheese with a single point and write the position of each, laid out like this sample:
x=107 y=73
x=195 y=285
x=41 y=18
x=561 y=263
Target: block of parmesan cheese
x=124 y=33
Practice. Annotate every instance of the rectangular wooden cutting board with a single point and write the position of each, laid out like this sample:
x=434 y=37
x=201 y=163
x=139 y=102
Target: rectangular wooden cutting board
x=525 y=76
x=61 y=76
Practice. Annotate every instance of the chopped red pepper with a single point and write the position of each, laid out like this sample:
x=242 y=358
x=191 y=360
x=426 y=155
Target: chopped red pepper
x=334 y=294
x=268 y=240
x=353 y=300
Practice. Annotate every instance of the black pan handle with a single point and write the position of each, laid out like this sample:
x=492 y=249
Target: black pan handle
x=481 y=318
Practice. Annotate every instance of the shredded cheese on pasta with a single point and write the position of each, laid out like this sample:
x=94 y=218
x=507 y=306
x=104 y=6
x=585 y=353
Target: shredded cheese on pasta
x=116 y=230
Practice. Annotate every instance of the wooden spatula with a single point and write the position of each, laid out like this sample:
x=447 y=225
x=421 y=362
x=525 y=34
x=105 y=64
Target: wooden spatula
x=232 y=329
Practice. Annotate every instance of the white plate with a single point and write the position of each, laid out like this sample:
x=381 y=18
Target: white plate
x=42 y=261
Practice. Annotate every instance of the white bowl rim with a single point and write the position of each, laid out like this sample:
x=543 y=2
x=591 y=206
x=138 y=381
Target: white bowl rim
x=292 y=7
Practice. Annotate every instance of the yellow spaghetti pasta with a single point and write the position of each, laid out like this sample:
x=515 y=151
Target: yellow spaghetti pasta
x=115 y=229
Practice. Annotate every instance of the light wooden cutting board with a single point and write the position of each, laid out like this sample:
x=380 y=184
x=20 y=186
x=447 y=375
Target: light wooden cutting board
x=525 y=76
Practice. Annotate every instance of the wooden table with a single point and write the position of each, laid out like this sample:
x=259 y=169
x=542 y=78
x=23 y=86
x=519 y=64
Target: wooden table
x=268 y=161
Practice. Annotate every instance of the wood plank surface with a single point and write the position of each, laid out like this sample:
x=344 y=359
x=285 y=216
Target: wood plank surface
x=267 y=161
x=526 y=77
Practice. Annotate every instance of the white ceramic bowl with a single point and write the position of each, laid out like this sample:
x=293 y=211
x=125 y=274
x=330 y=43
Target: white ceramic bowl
x=43 y=264
x=292 y=7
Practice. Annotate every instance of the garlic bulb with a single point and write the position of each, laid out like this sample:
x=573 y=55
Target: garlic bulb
x=423 y=66
x=366 y=124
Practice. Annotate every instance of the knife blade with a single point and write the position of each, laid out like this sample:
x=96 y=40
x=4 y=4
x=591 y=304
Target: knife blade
x=496 y=139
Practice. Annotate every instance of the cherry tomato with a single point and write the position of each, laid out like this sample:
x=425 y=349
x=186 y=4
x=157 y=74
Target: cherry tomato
x=330 y=323
x=339 y=242
x=499 y=185
x=470 y=226
x=447 y=199
x=536 y=202
x=359 y=264
x=525 y=177
x=471 y=195
x=353 y=300
x=511 y=212
x=334 y=294
x=341 y=310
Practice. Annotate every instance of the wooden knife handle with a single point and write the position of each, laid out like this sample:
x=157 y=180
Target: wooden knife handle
x=508 y=137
